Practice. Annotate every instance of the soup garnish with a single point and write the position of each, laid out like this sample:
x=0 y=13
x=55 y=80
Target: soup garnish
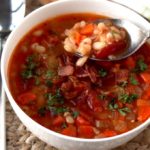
x=93 y=100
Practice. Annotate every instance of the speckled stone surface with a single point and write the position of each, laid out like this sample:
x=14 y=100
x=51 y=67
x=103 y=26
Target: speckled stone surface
x=19 y=138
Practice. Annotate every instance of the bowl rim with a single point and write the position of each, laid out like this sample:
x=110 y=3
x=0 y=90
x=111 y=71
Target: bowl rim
x=10 y=97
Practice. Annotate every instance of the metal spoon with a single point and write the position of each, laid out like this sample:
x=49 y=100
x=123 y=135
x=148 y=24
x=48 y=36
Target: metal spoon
x=137 y=38
x=11 y=13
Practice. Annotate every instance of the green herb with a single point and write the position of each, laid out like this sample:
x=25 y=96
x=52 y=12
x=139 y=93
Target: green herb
x=37 y=81
x=126 y=98
x=30 y=66
x=42 y=111
x=75 y=114
x=133 y=81
x=123 y=98
x=64 y=125
x=54 y=99
x=123 y=84
x=102 y=72
x=141 y=66
x=49 y=83
x=27 y=74
x=57 y=110
x=49 y=74
x=124 y=111
x=112 y=105
x=102 y=96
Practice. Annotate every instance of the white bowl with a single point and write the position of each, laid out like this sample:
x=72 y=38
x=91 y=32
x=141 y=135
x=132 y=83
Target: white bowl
x=54 y=9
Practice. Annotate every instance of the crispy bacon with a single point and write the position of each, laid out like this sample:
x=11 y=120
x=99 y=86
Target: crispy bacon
x=122 y=75
x=65 y=70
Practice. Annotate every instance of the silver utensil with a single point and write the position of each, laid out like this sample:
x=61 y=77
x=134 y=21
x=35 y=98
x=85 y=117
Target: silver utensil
x=137 y=38
x=11 y=13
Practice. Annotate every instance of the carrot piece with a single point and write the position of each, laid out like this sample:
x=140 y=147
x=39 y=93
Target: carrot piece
x=130 y=63
x=142 y=102
x=88 y=29
x=143 y=113
x=146 y=77
x=81 y=121
x=78 y=38
x=109 y=133
x=58 y=121
x=146 y=94
x=86 y=131
x=26 y=98
x=70 y=131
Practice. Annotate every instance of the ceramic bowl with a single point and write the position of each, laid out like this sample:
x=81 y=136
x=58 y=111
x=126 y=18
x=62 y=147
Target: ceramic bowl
x=103 y=7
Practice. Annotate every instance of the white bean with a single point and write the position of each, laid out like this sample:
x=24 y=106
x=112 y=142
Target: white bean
x=81 y=61
x=38 y=33
x=117 y=37
x=69 y=119
x=96 y=131
x=109 y=37
x=38 y=48
x=69 y=46
x=67 y=114
x=99 y=45
x=82 y=24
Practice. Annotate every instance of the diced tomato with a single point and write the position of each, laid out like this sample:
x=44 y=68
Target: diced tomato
x=109 y=133
x=86 y=131
x=87 y=30
x=143 y=113
x=142 y=102
x=130 y=63
x=26 y=98
x=81 y=121
x=78 y=38
x=58 y=121
x=70 y=131
x=109 y=50
x=146 y=94
x=146 y=77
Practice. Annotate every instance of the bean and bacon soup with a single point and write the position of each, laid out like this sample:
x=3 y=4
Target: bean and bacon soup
x=94 y=100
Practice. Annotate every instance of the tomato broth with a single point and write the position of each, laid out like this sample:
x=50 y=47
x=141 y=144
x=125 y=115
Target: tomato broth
x=96 y=100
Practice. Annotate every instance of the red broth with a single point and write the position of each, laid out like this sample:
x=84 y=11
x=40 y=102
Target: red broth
x=96 y=100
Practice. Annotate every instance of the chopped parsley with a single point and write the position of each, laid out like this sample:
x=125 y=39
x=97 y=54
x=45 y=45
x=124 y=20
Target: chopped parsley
x=102 y=72
x=124 y=111
x=126 y=98
x=123 y=84
x=54 y=102
x=30 y=66
x=27 y=74
x=102 y=96
x=49 y=74
x=57 y=110
x=37 y=81
x=54 y=99
x=133 y=80
x=64 y=125
x=75 y=114
x=112 y=105
x=141 y=66
x=49 y=83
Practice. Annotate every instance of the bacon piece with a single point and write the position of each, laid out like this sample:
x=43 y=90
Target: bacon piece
x=65 y=70
x=92 y=72
x=122 y=75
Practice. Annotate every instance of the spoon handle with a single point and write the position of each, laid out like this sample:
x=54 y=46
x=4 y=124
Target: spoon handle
x=2 y=106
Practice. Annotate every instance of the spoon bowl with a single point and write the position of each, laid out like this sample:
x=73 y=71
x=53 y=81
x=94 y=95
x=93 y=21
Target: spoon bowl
x=137 y=37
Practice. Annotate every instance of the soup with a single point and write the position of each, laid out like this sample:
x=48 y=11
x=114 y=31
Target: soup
x=96 y=100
